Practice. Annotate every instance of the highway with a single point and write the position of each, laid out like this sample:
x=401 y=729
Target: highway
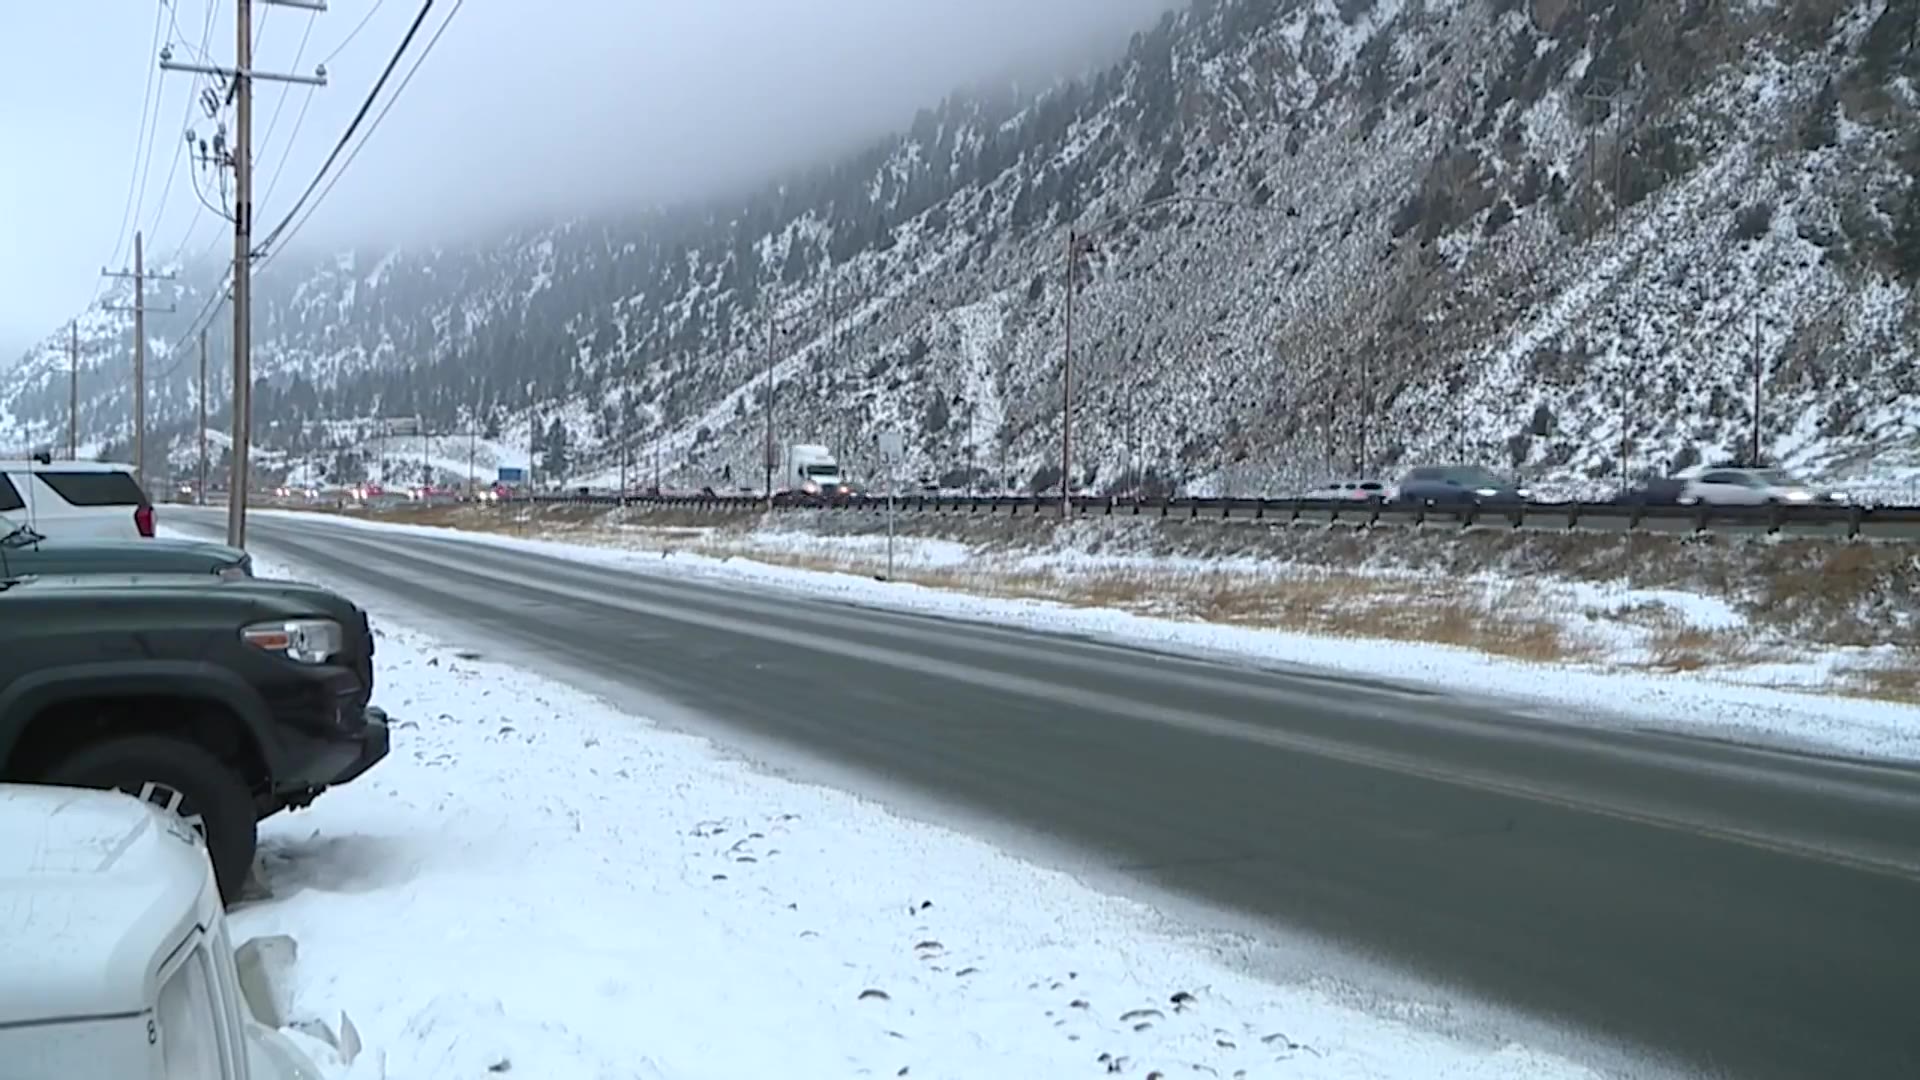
x=1750 y=912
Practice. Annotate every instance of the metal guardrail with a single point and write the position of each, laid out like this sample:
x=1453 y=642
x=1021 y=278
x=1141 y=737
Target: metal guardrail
x=1836 y=521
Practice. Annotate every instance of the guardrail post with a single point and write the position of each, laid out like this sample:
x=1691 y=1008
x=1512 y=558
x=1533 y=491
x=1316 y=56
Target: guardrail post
x=1856 y=514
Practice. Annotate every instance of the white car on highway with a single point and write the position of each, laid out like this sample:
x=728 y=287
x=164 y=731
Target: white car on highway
x=1745 y=487
x=116 y=960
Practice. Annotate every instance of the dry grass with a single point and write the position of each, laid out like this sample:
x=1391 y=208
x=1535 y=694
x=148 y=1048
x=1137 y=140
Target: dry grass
x=1336 y=605
x=1693 y=648
x=1388 y=584
x=1898 y=682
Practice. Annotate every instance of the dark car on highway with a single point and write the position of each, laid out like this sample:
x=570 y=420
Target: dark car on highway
x=1457 y=485
x=25 y=553
x=1660 y=491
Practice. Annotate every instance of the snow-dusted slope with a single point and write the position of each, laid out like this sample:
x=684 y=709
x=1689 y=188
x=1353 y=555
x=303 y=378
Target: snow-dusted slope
x=1542 y=234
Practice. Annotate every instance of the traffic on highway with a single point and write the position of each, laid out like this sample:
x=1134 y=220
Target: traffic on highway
x=1652 y=890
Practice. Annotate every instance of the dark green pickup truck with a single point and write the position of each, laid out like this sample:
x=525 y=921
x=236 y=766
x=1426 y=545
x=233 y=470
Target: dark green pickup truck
x=222 y=701
x=25 y=553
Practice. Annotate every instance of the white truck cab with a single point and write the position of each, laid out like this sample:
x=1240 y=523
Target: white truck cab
x=812 y=470
x=114 y=954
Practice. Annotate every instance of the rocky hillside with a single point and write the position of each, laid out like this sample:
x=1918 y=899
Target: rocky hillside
x=1551 y=235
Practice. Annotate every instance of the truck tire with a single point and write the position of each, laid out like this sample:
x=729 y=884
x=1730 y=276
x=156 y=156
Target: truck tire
x=176 y=775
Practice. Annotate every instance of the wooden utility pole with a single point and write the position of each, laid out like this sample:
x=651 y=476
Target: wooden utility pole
x=769 y=404
x=73 y=390
x=139 y=277
x=1755 y=462
x=241 y=77
x=1066 y=388
x=203 y=418
x=241 y=475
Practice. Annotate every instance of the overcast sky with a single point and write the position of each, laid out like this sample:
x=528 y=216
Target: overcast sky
x=525 y=109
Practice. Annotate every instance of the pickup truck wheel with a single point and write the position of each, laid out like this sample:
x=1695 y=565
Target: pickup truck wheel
x=180 y=777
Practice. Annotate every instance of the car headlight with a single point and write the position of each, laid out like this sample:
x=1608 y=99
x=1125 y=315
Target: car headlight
x=1485 y=493
x=308 y=641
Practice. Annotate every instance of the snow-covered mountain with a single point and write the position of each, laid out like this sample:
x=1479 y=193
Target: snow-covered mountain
x=1540 y=234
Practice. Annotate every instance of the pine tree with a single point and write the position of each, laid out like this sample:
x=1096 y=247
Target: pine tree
x=556 y=460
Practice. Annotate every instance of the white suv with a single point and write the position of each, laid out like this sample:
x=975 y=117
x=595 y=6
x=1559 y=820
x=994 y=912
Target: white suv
x=76 y=500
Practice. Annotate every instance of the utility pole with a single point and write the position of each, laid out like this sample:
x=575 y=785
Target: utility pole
x=1366 y=416
x=139 y=276
x=1066 y=384
x=203 y=418
x=769 y=403
x=1626 y=433
x=1755 y=462
x=73 y=390
x=240 y=79
x=241 y=477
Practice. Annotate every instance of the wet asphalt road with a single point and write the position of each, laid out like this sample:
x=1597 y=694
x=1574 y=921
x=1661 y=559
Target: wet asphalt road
x=1754 y=912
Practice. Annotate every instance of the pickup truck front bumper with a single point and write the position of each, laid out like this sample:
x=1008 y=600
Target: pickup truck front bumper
x=317 y=762
x=376 y=740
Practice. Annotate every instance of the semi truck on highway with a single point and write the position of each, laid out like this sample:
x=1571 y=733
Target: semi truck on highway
x=811 y=470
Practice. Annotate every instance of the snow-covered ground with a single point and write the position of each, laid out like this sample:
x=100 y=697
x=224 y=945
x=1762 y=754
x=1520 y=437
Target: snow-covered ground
x=1757 y=704
x=537 y=884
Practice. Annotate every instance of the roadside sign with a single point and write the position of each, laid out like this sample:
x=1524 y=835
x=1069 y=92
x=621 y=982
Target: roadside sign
x=892 y=446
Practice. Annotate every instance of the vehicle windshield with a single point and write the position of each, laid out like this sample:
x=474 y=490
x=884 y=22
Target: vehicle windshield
x=1780 y=478
x=821 y=470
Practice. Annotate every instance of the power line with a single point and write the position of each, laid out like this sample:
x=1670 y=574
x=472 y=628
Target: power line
x=274 y=121
x=206 y=38
x=388 y=107
x=353 y=33
x=347 y=135
x=201 y=320
x=146 y=103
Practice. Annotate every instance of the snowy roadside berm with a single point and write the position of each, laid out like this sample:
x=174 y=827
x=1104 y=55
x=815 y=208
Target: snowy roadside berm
x=118 y=960
x=541 y=884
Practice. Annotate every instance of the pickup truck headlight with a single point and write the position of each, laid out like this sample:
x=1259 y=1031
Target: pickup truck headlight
x=308 y=641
